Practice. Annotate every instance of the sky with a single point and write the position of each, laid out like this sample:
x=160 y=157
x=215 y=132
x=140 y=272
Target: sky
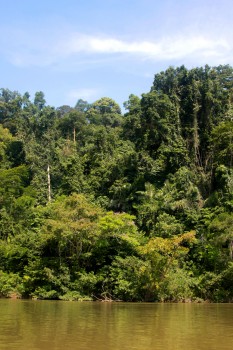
x=88 y=49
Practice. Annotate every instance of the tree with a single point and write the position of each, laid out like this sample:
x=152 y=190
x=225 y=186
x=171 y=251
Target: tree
x=5 y=139
x=105 y=111
x=164 y=170
x=222 y=143
x=63 y=110
x=132 y=119
x=70 y=230
x=82 y=105
x=39 y=100
x=72 y=124
x=167 y=277
x=7 y=95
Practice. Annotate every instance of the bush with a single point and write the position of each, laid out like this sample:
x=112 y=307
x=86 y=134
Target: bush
x=11 y=285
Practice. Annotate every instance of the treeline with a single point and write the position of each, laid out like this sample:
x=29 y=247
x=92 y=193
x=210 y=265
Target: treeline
x=97 y=205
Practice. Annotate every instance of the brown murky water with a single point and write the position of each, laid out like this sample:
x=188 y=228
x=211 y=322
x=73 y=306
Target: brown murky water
x=56 y=325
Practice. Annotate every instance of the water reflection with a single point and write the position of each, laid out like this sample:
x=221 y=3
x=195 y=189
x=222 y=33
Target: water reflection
x=52 y=325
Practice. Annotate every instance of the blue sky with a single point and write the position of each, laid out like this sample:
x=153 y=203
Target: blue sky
x=88 y=49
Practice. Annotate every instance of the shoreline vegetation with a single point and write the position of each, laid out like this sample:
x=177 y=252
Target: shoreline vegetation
x=94 y=299
x=100 y=205
x=103 y=299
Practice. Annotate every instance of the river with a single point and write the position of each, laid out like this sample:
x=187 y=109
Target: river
x=58 y=325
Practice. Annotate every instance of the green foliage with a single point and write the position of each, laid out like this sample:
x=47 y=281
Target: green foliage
x=167 y=276
x=11 y=285
x=104 y=111
x=95 y=205
x=126 y=279
x=5 y=139
x=82 y=105
x=222 y=230
x=177 y=285
x=222 y=143
x=216 y=287
x=12 y=184
x=39 y=100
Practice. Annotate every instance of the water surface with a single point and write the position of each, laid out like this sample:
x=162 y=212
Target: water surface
x=56 y=325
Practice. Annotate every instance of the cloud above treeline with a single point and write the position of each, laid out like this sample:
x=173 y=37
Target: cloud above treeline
x=84 y=93
x=165 y=48
x=23 y=50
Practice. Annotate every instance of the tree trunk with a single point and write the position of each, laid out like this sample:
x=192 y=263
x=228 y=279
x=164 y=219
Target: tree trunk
x=74 y=135
x=49 y=184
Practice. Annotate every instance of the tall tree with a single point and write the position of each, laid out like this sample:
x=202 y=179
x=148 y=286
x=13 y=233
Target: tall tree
x=39 y=100
x=105 y=111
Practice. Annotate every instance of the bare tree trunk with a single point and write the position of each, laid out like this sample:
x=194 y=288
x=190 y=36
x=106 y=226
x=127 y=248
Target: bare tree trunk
x=196 y=137
x=49 y=184
x=231 y=248
x=74 y=135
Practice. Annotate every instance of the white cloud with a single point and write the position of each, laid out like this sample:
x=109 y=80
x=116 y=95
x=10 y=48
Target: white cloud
x=91 y=44
x=165 y=48
x=86 y=94
x=76 y=47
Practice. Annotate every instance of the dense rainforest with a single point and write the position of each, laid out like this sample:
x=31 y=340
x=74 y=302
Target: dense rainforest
x=100 y=205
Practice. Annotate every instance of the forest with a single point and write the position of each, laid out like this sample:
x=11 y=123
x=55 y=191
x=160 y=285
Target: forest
x=96 y=204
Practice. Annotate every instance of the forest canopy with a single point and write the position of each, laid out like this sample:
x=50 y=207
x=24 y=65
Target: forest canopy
x=100 y=205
